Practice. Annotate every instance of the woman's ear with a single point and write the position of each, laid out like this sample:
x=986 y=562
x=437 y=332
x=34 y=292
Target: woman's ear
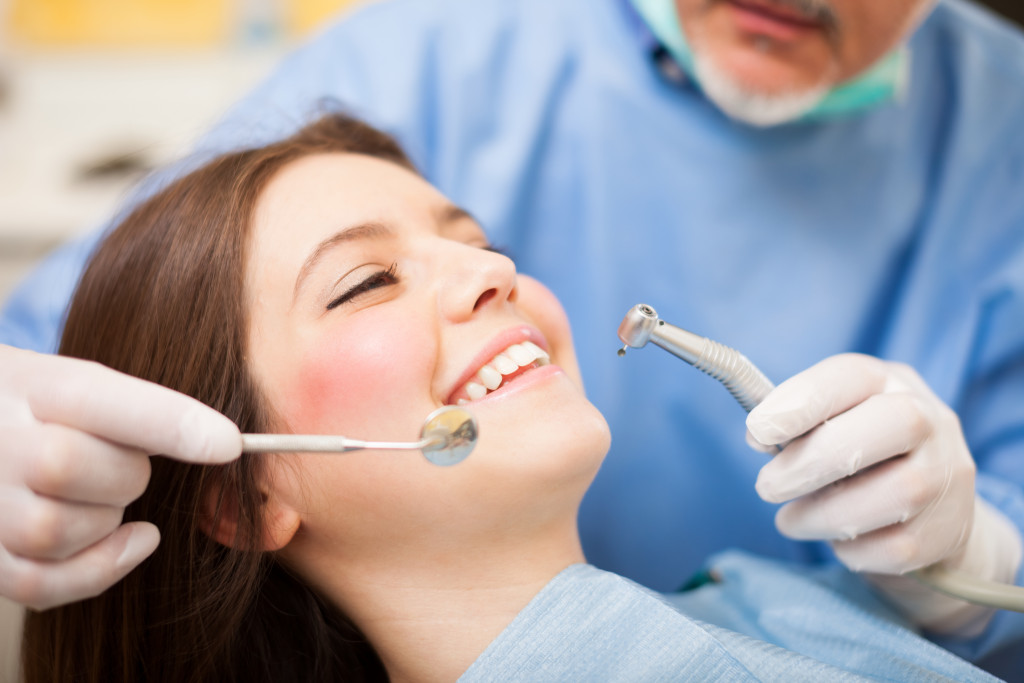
x=219 y=518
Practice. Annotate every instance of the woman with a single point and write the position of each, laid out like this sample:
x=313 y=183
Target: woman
x=318 y=285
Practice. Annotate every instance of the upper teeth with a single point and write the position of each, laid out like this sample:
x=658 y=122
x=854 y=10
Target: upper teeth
x=491 y=375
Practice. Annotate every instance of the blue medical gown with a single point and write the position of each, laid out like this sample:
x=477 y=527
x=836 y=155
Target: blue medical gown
x=898 y=232
x=763 y=621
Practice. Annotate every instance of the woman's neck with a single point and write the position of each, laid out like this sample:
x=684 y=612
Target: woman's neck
x=430 y=617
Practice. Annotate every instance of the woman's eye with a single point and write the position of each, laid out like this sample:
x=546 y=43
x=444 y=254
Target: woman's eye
x=381 y=278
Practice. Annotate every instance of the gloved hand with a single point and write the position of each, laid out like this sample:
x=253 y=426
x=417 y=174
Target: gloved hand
x=877 y=465
x=74 y=439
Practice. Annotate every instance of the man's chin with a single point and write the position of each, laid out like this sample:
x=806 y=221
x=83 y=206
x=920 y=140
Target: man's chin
x=754 y=106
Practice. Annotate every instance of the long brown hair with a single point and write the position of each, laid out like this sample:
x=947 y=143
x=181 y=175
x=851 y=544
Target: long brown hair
x=163 y=299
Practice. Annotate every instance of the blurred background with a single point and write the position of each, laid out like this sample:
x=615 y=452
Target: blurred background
x=94 y=93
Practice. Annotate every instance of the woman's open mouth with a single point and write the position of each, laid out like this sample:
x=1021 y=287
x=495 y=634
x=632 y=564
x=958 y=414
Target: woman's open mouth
x=504 y=368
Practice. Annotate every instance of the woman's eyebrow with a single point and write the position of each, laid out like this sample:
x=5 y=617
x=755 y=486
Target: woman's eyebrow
x=361 y=231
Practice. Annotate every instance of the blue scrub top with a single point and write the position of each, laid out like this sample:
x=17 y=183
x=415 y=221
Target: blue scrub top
x=898 y=232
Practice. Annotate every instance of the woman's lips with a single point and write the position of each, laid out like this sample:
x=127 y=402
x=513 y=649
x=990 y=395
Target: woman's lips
x=506 y=366
x=770 y=21
x=534 y=349
x=523 y=381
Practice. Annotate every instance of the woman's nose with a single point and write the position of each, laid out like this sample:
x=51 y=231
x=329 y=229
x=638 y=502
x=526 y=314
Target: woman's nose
x=477 y=278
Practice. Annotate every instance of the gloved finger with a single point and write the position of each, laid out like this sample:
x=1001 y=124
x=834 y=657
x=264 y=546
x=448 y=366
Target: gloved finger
x=882 y=426
x=75 y=466
x=758 y=446
x=41 y=585
x=900 y=515
x=895 y=491
x=807 y=399
x=900 y=548
x=41 y=528
x=129 y=411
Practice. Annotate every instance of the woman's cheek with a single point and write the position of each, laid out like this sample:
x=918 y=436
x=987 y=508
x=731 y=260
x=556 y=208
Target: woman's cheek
x=358 y=384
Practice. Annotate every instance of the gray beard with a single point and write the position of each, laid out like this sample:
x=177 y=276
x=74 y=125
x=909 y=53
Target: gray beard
x=756 y=109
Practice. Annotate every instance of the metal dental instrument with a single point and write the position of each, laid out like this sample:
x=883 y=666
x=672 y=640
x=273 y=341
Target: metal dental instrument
x=730 y=367
x=447 y=438
x=749 y=386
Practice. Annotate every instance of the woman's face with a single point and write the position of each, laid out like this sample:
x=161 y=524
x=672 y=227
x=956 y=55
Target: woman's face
x=373 y=301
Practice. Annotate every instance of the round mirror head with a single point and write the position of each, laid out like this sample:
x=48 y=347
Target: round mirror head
x=451 y=433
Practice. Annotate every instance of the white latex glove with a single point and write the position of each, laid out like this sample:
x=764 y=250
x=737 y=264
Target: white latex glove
x=74 y=439
x=877 y=465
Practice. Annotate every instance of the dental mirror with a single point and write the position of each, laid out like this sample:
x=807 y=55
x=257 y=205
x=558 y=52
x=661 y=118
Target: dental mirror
x=447 y=438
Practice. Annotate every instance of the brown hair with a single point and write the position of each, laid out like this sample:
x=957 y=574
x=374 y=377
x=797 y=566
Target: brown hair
x=163 y=299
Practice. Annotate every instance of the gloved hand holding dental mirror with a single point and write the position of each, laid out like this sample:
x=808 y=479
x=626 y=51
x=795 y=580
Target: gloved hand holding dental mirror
x=79 y=456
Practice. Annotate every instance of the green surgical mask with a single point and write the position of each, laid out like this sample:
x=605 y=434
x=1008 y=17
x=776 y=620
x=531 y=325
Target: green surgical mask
x=883 y=82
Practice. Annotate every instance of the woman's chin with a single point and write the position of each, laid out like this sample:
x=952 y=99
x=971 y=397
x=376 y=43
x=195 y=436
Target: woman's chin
x=559 y=448
x=547 y=416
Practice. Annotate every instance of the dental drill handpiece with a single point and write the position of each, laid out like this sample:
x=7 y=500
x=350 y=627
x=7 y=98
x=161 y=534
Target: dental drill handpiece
x=745 y=382
x=749 y=386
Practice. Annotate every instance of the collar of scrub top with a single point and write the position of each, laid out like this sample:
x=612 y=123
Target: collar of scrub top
x=657 y=25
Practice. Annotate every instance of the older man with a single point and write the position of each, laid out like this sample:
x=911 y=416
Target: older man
x=799 y=179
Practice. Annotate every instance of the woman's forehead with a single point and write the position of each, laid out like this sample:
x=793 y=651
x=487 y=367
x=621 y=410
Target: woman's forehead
x=359 y=179
x=325 y=200
x=324 y=193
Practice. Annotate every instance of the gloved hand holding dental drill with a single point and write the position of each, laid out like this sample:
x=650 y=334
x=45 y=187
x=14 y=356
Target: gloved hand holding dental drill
x=74 y=444
x=875 y=464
